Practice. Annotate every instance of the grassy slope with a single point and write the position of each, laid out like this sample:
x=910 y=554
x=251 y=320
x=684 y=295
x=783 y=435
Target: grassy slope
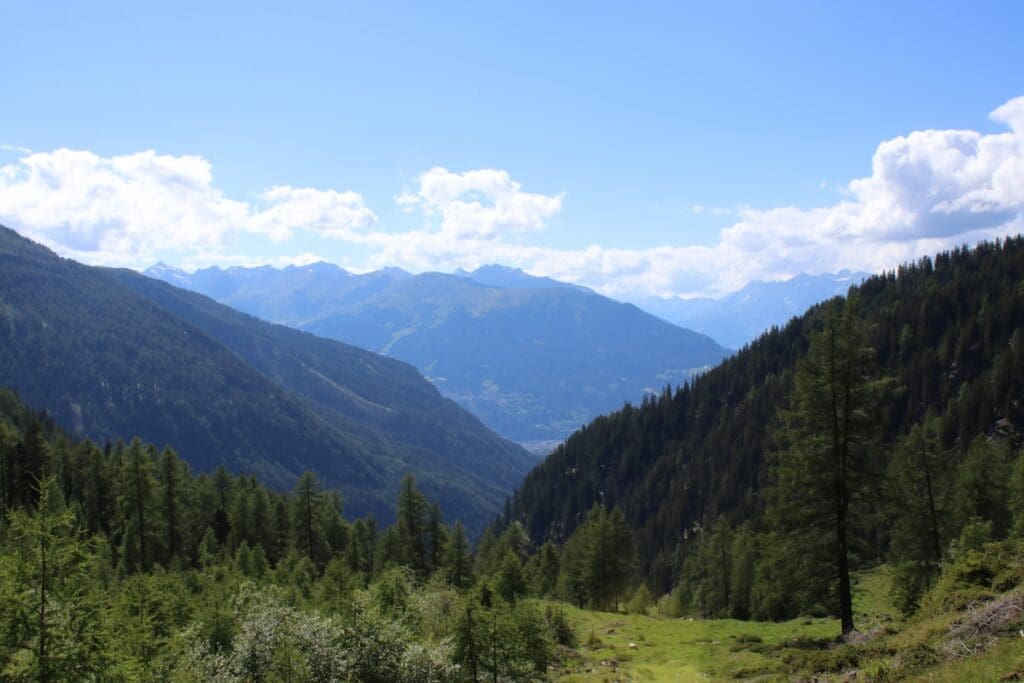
x=680 y=649
x=723 y=649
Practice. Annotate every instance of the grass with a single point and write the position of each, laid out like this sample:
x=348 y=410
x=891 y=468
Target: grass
x=625 y=647
x=682 y=649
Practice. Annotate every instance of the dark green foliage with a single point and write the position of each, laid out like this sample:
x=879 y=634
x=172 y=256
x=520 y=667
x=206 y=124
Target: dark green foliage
x=546 y=569
x=982 y=490
x=459 y=562
x=49 y=611
x=509 y=582
x=309 y=519
x=707 y=573
x=919 y=473
x=597 y=561
x=114 y=354
x=182 y=587
x=411 y=526
x=1016 y=499
x=825 y=479
x=947 y=331
x=498 y=641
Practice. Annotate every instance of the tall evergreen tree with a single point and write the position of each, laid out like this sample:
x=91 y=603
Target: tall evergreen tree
x=307 y=517
x=832 y=440
x=171 y=478
x=459 y=561
x=981 y=491
x=411 y=525
x=918 y=472
x=437 y=536
x=60 y=626
x=136 y=502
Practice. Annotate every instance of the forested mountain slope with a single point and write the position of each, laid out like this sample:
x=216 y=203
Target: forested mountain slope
x=534 y=358
x=948 y=331
x=112 y=354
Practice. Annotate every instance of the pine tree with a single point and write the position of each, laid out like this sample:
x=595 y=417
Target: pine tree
x=9 y=447
x=548 y=567
x=981 y=491
x=222 y=486
x=509 y=582
x=171 y=477
x=307 y=517
x=437 y=535
x=832 y=438
x=136 y=503
x=744 y=555
x=459 y=562
x=61 y=624
x=919 y=473
x=411 y=525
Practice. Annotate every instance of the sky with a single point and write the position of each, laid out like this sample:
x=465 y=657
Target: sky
x=644 y=149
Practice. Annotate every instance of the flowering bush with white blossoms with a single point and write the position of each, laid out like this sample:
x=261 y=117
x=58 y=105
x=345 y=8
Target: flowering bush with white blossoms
x=275 y=641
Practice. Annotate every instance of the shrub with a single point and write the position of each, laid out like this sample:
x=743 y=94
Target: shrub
x=641 y=601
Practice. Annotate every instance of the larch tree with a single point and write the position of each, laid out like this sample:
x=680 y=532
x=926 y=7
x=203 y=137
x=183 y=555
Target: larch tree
x=832 y=438
x=919 y=474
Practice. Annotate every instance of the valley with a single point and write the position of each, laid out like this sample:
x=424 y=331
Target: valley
x=684 y=538
x=524 y=342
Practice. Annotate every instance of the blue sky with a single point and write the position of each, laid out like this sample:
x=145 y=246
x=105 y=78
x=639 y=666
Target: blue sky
x=610 y=146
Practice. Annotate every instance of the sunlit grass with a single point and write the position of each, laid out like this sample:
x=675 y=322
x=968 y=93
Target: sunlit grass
x=681 y=649
x=627 y=647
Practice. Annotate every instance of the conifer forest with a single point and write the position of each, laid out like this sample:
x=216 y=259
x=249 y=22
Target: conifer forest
x=857 y=473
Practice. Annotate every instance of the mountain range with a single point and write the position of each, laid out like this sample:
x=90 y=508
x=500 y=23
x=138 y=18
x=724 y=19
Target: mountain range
x=534 y=358
x=113 y=354
x=736 y=319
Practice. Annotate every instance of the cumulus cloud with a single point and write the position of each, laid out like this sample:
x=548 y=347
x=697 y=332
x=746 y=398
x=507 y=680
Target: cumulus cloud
x=339 y=215
x=124 y=210
x=485 y=203
x=928 y=190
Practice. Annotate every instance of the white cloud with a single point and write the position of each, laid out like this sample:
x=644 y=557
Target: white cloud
x=328 y=212
x=928 y=190
x=124 y=210
x=483 y=203
x=700 y=209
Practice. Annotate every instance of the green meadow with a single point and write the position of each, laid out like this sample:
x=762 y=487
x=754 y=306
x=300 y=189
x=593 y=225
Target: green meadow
x=614 y=646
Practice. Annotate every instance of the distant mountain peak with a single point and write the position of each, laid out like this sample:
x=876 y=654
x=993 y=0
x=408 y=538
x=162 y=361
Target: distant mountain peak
x=509 y=277
x=739 y=317
x=168 y=273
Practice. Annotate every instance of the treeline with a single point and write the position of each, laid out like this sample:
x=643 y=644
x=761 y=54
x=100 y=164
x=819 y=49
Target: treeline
x=838 y=495
x=946 y=349
x=121 y=564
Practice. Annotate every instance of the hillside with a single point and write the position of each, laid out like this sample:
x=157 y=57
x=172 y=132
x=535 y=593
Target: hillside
x=948 y=331
x=533 y=358
x=112 y=354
